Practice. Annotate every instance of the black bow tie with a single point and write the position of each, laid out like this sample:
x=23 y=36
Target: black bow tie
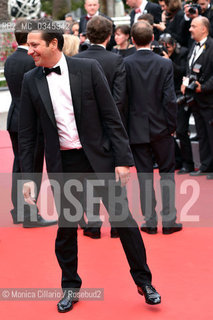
x=49 y=70
x=198 y=44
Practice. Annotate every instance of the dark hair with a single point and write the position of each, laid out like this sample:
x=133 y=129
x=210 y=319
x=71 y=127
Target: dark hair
x=98 y=29
x=167 y=38
x=50 y=30
x=147 y=17
x=173 y=5
x=20 y=33
x=142 y=33
x=125 y=29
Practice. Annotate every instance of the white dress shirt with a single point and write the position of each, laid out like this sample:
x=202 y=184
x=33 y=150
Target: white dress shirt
x=142 y=7
x=60 y=93
x=198 y=50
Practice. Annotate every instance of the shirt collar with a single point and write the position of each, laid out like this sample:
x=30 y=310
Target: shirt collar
x=203 y=41
x=23 y=47
x=140 y=49
x=62 y=64
x=100 y=45
x=96 y=14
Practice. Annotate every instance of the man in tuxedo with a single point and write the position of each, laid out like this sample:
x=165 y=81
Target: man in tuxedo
x=83 y=134
x=99 y=30
x=15 y=67
x=141 y=7
x=92 y=10
x=151 y=123
x=200 y=66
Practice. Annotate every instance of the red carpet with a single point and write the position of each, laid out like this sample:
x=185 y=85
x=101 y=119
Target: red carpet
x=181 y=265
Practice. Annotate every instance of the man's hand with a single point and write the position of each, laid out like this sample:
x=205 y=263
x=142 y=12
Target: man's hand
x=29 y=192
x=165 y=55
x=160 y=26
x=198 y=88
x=122 y=174
x=183 y=89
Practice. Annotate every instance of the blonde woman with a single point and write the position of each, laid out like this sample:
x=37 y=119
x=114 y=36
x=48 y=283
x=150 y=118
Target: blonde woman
x=71 y=45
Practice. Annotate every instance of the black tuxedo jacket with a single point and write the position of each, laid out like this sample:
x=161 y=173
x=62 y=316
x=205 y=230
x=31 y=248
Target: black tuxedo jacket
x=83 y=26
x=155 y=10
x=205 y=75
x=114 y=70
x=152 y=99
x=15 y=67
x=99 y=125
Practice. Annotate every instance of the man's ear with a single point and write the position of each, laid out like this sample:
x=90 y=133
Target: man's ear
x=54 y=43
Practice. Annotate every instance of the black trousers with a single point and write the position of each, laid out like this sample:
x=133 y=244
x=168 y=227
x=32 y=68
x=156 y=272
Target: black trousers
x=38 y=168
x=163 y=150
x=75 y=161
x=205 y=135
x=182 y=132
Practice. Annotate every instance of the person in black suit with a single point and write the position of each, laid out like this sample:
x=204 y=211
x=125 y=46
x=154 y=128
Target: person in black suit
x=15 y=67
x=205 y=9
x=141 y=7
x=200 y=66
x=99 y=30
x=83 y=133
x=173 y=19
x=178 y=56
x=92 y=9
x=151 y=123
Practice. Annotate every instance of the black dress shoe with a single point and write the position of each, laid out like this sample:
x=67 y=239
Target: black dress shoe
x=184 y=170
x=209 y=176
x=150 y=230
x=114 y=233
x=198 y=173
x=174 y=228
x=93 y=233
x=14 y=217
x=150 y=294
x=39 y=223
x=66 y=304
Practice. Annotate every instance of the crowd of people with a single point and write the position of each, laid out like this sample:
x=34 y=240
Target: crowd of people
x=118 y=102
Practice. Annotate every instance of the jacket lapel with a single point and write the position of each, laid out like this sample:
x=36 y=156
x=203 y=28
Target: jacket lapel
x=75 y=85
x=43 y=89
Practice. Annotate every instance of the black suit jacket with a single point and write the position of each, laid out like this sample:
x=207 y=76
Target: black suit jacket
x=205 y=76
x=179 y=60
x=155 y=10
x=152 y=99
x=173 y=26
x=14 y=69
x=114 y=70
x=83 y=26
x=99 y=126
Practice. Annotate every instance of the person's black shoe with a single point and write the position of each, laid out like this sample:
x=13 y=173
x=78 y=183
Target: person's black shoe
x=66 y=304
x=198 y=173
x=209 y=176
x=173 y=228
x=150 y=294
x=184 y=170
x=150 y=230
x=114 y=233
x=93 y=233
x=39 y=223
